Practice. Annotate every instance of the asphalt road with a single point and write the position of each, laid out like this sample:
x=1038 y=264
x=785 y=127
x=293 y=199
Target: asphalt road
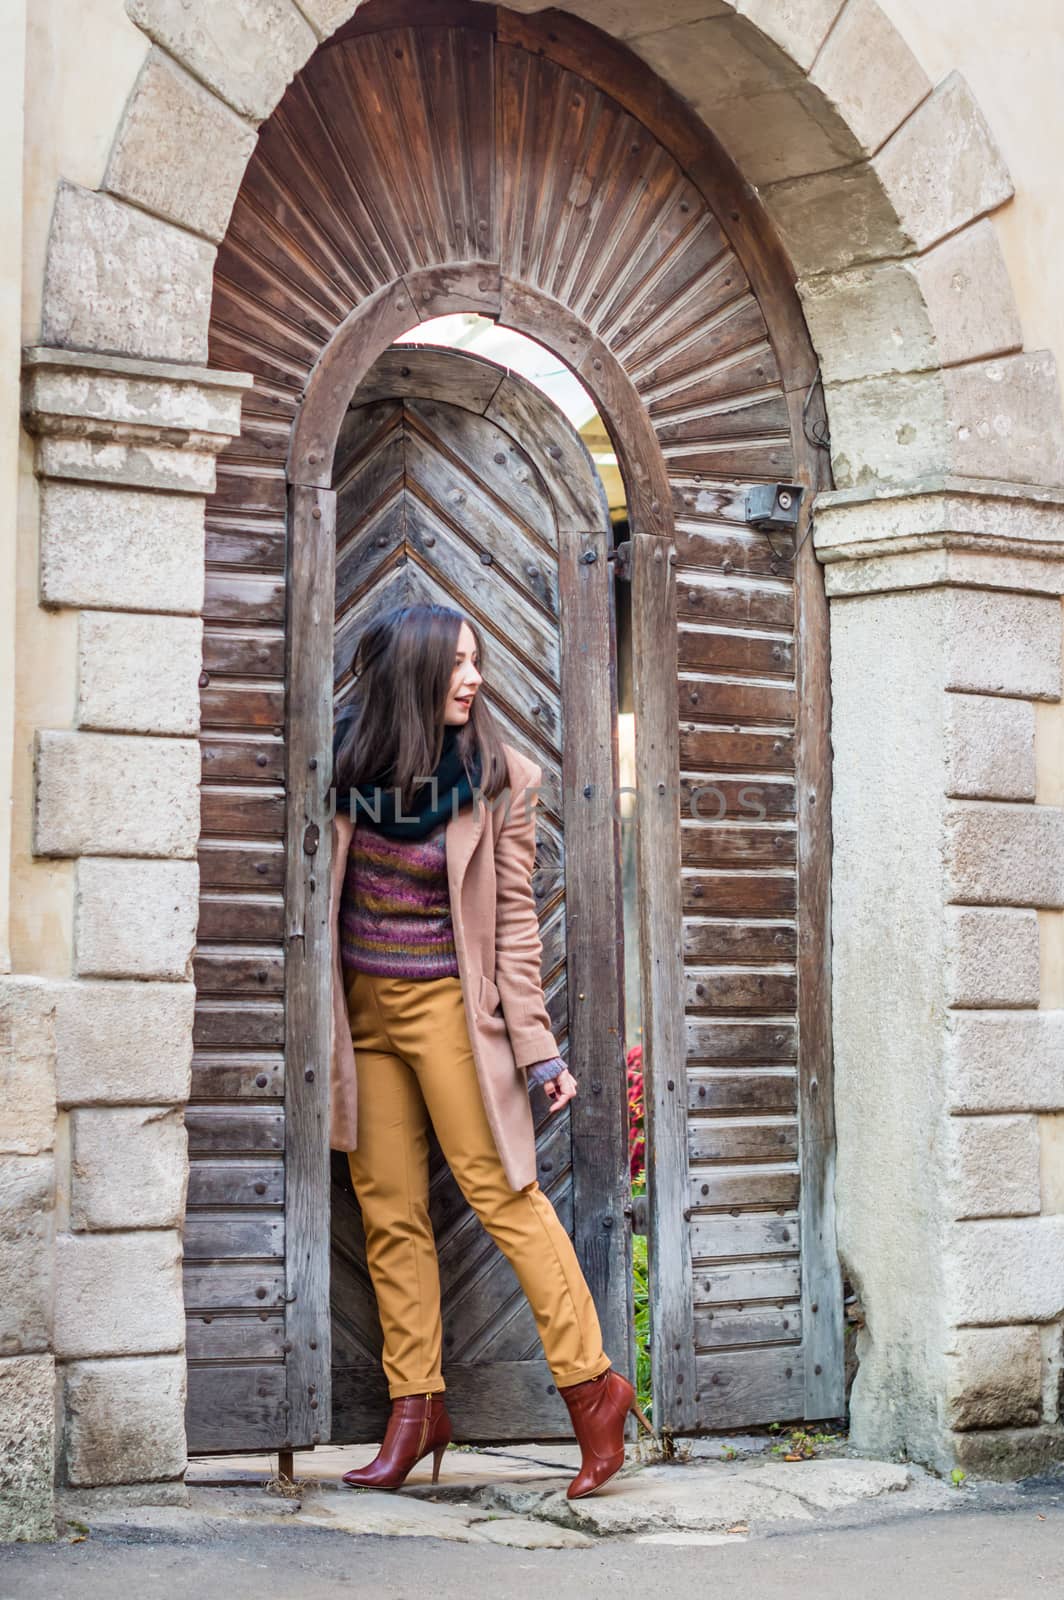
x=1012 y=1553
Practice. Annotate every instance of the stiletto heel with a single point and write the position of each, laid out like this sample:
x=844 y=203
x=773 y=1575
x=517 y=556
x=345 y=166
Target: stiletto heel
x=437 y=1457
x=644 y=1424
x=418 y=1423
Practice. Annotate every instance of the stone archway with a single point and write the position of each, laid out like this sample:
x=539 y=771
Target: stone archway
x=940 y=539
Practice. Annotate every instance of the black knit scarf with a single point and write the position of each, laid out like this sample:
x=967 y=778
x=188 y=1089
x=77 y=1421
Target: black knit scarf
x=453 y=790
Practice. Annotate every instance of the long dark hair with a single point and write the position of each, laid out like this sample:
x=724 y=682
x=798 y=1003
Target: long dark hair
x=392 y=721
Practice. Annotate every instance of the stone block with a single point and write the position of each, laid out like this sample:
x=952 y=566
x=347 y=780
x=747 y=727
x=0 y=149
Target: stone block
x=998 y=854
x=993 y=957
x=180 y=152
x=129 y=1168
x=833 y=220
x=1002 y=643
x=121 y=549
x=1004 y=1061
x=247 y=51
x=27 y=1064
x=119 y=280
x=124 y=1043
x=1005 y=419
x=888 y=430
x=116 y=794
x=135 y=919
x=1051 y=1137
x=953 y=304
x=1009 y=1270
x=139 y=674
x=27 y=1449
x=869 y=321
x=992 y=1166
x=325 y=16
x=1006 y=1454
x=994 y=1378
x=799 y=27
x=989 y=747
x=942 y=168
x=869 y=74
x=968 y=293
x=118 y=1294
x=124 y=1421
x=27 y=1193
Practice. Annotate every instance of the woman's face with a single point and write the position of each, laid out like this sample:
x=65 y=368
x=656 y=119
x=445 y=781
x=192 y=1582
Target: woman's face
x=465 y=679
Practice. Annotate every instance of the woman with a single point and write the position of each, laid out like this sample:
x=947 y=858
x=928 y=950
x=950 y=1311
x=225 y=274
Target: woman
x=439 y=1016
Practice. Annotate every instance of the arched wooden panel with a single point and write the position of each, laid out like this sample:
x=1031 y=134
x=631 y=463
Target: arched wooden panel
x=441 y=497
x=533 y=166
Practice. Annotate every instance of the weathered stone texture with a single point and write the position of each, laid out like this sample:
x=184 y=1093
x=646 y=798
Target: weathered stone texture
x=989 y=747
x=1008 y=1453
x=953 y=304
x=869 y=74
x=325 y=16
x=993 y=957
x=27 y=1448
x=121 y=549
x=179 y=152
x=998 y=854
x=1011 y=1061
x=1051 y=1135
x=797 y=26
x=118 y=1294
x=139 y=674
x=124 y=1043
x=135 y=919
x=942 y=168
x=994 y=1378
x=1005 y=1271
x=1005 y=644
x=245 y=50
x=834 y=220
x=129 y=1168
x=116 y=794
x=125 y=1421
x=1005 y=420
x=992 y=1166
x=27 y=1064
x=27 y=1187
x=120 y=280
x=968 y=293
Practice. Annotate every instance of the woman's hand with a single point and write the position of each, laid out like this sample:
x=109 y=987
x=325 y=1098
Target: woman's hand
x=560 y=1090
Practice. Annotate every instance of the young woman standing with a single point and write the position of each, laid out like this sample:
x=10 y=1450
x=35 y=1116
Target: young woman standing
x=439 y=1016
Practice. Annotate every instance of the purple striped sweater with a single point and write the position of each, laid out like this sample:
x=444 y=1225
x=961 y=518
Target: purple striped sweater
x=395 y=913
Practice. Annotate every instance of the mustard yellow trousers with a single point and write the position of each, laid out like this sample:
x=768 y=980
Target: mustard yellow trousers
x=415 y=1064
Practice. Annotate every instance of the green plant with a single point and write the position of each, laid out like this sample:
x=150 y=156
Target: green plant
x=800 y=1444
x=641 y=1308
x=957 y=1477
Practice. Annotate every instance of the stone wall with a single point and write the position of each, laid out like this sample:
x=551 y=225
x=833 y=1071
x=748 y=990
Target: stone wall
x=98 y=1063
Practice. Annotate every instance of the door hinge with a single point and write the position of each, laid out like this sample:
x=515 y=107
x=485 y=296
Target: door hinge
x=621 y=556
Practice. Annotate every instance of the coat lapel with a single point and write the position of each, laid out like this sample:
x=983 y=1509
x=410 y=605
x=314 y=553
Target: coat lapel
x=463 y=830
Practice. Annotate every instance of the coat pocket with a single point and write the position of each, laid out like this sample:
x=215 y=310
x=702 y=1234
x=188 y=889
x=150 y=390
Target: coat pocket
x=489 y=999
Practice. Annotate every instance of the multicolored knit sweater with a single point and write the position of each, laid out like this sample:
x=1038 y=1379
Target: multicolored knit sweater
x=395 y=913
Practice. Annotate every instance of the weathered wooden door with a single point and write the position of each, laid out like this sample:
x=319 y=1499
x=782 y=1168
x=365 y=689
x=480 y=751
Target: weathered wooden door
x=459 y=483
x=438 y=156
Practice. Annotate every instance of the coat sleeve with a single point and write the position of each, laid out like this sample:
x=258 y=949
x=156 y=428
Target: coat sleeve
x=518 y=947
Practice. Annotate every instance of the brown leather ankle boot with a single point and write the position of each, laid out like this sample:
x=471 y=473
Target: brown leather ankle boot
x=418 y=1423
x=598 y=1409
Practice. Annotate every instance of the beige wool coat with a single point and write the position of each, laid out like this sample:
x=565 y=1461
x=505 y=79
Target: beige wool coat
x=490 y=857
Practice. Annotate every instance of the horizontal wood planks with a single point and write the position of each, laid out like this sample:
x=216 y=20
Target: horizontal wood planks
x=444 y=157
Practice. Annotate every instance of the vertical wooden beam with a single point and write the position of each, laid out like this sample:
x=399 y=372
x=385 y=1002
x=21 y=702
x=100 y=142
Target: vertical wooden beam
x=311 y=556
x=595 y=932
x=821 y=1286
x=657 y=761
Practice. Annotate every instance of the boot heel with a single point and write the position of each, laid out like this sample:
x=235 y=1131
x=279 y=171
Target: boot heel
x=644 y=1424
x=437 y=1457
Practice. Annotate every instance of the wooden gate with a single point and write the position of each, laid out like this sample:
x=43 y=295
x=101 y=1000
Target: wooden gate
x=459 y=483
x=450 y=156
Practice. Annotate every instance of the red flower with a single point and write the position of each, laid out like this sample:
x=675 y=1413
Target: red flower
x=636 y=1112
